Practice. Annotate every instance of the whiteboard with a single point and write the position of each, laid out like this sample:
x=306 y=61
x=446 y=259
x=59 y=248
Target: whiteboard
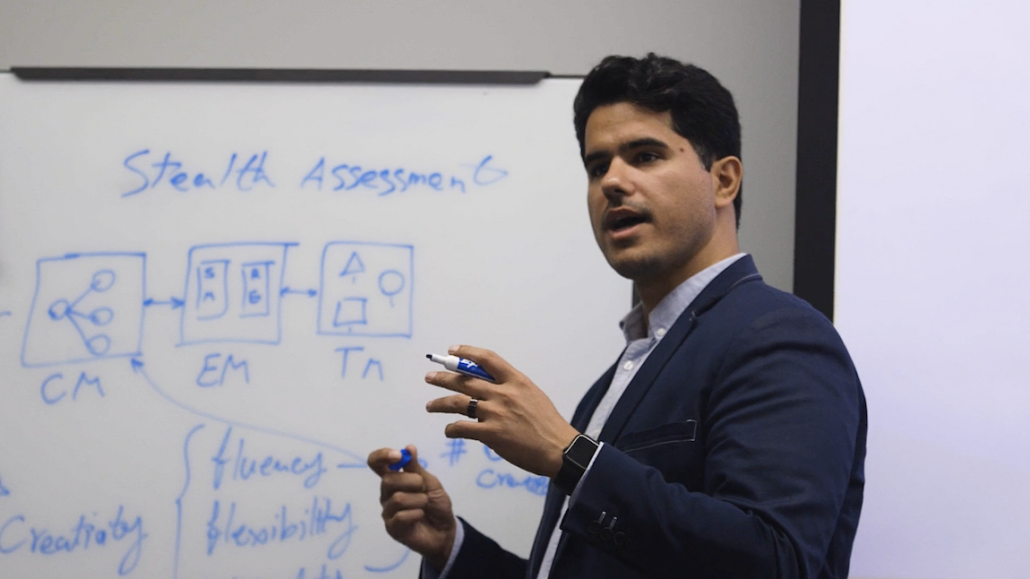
x=216 y=299
x=931 y=282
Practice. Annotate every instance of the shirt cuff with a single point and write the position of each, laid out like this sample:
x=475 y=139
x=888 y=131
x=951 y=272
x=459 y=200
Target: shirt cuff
x=459 y=537
x=586 y=473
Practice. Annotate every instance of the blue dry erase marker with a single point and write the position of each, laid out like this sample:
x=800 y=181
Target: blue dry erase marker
x=461 y=365
x=405 y=459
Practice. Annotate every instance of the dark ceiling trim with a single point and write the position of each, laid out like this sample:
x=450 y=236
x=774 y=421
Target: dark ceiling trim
x=815 y=210
x=279 y=75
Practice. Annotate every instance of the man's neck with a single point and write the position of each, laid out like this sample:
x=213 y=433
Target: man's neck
x=653 y=291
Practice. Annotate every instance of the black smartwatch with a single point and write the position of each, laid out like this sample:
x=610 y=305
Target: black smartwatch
x=574 y=463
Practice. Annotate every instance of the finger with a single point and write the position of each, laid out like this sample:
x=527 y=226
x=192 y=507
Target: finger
x=403 y=521
x=469 y=429
x=473 y=387
x=404 y=502
x=495 y=365
x=456 y=404
x=430 y=483
x=379 y=460
x=400 y=482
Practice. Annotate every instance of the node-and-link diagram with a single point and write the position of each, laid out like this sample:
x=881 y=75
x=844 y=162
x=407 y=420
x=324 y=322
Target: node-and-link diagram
x=90 y=306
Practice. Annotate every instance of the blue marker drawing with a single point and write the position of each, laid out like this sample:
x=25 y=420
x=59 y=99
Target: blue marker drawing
x=3 y=491
x=51 y=396
x=484 y=175
x=174 y=302
x=489 y=478
x=311 y=292
x=239 y=466
x=88 y=534
x=256 y=299
x=354 y=267
x=170 y=170
x=176 y=175
x=255 y=171
x=233 y=530
x=456 y=448
x=388 y=181
x=86 y=307
x=62 y=309
x=391 y=283
x=214 y=371
x=373 y=363
x=178 y=501
x=212 y=289
x=233 y=293
x=351 y=312
x=366 y=289
x=390 y=567
x=5 y=313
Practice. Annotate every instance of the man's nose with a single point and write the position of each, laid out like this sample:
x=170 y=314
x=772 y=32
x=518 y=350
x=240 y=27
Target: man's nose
x=615 y=183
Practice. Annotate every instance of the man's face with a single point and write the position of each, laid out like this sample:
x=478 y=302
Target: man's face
x=651 y=201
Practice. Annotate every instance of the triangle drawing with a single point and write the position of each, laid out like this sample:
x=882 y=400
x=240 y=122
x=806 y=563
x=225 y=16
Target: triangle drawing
x=354 y=265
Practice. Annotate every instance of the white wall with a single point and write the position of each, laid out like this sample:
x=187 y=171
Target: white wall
x=931 y=293
x=751 y=45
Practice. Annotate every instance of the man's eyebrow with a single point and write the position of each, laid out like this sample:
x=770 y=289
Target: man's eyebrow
x=593 y=157
x=629 y=146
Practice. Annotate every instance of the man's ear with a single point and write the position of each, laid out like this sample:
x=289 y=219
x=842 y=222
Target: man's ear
x=727 y=174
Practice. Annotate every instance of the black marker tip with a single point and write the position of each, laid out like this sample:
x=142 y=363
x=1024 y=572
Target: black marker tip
x=430 y=356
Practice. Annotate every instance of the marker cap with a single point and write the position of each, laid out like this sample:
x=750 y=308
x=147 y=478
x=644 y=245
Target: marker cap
x=405 y=459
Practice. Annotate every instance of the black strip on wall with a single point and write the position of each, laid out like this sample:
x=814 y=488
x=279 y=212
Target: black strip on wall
x=815 y=211
x=279 y=75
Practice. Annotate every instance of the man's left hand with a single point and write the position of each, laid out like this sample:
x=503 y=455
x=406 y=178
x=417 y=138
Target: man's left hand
x=514 y=417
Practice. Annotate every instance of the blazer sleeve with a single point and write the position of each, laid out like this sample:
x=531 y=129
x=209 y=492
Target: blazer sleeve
x=481 y=557
x=779 y=430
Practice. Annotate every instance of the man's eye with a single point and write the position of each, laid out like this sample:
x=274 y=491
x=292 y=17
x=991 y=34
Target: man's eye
x=646 y=157
x=597 y=170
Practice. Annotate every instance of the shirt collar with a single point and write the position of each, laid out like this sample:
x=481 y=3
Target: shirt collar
x=673 y=305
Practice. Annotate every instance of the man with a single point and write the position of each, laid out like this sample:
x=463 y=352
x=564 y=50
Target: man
x=727 y=441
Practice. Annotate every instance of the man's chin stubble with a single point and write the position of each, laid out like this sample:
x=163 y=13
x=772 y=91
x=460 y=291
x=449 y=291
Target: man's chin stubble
x=634 y=268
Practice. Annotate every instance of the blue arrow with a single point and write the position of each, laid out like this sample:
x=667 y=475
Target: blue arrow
x=174 y=302
x=308 y=292
x=137 y=365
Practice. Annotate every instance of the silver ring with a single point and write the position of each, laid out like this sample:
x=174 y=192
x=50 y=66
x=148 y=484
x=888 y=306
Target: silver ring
x=471 y=410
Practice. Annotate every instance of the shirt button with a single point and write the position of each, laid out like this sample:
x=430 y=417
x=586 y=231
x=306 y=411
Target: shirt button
x=660 y=332
x=628 y=365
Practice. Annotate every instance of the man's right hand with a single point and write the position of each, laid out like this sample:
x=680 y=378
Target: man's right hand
x=416 y=509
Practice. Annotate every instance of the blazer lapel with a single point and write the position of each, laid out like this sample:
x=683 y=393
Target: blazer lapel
x=743 y=270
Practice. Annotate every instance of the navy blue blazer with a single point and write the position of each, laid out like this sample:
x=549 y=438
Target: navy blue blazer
x=736 y=452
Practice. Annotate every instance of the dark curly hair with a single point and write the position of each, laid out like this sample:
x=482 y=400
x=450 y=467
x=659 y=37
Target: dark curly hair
x=702 y=109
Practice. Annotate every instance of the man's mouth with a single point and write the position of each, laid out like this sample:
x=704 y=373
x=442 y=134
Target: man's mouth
x=619 y=220
x=622 y=223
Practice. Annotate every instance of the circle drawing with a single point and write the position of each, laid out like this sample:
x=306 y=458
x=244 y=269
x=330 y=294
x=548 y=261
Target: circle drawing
x=59 y=310
x=102 y=280
x=101 y=316
x=98 y=345
x=391 y=282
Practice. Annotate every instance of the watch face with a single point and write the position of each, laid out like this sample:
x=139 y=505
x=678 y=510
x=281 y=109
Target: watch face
x=581 y=451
